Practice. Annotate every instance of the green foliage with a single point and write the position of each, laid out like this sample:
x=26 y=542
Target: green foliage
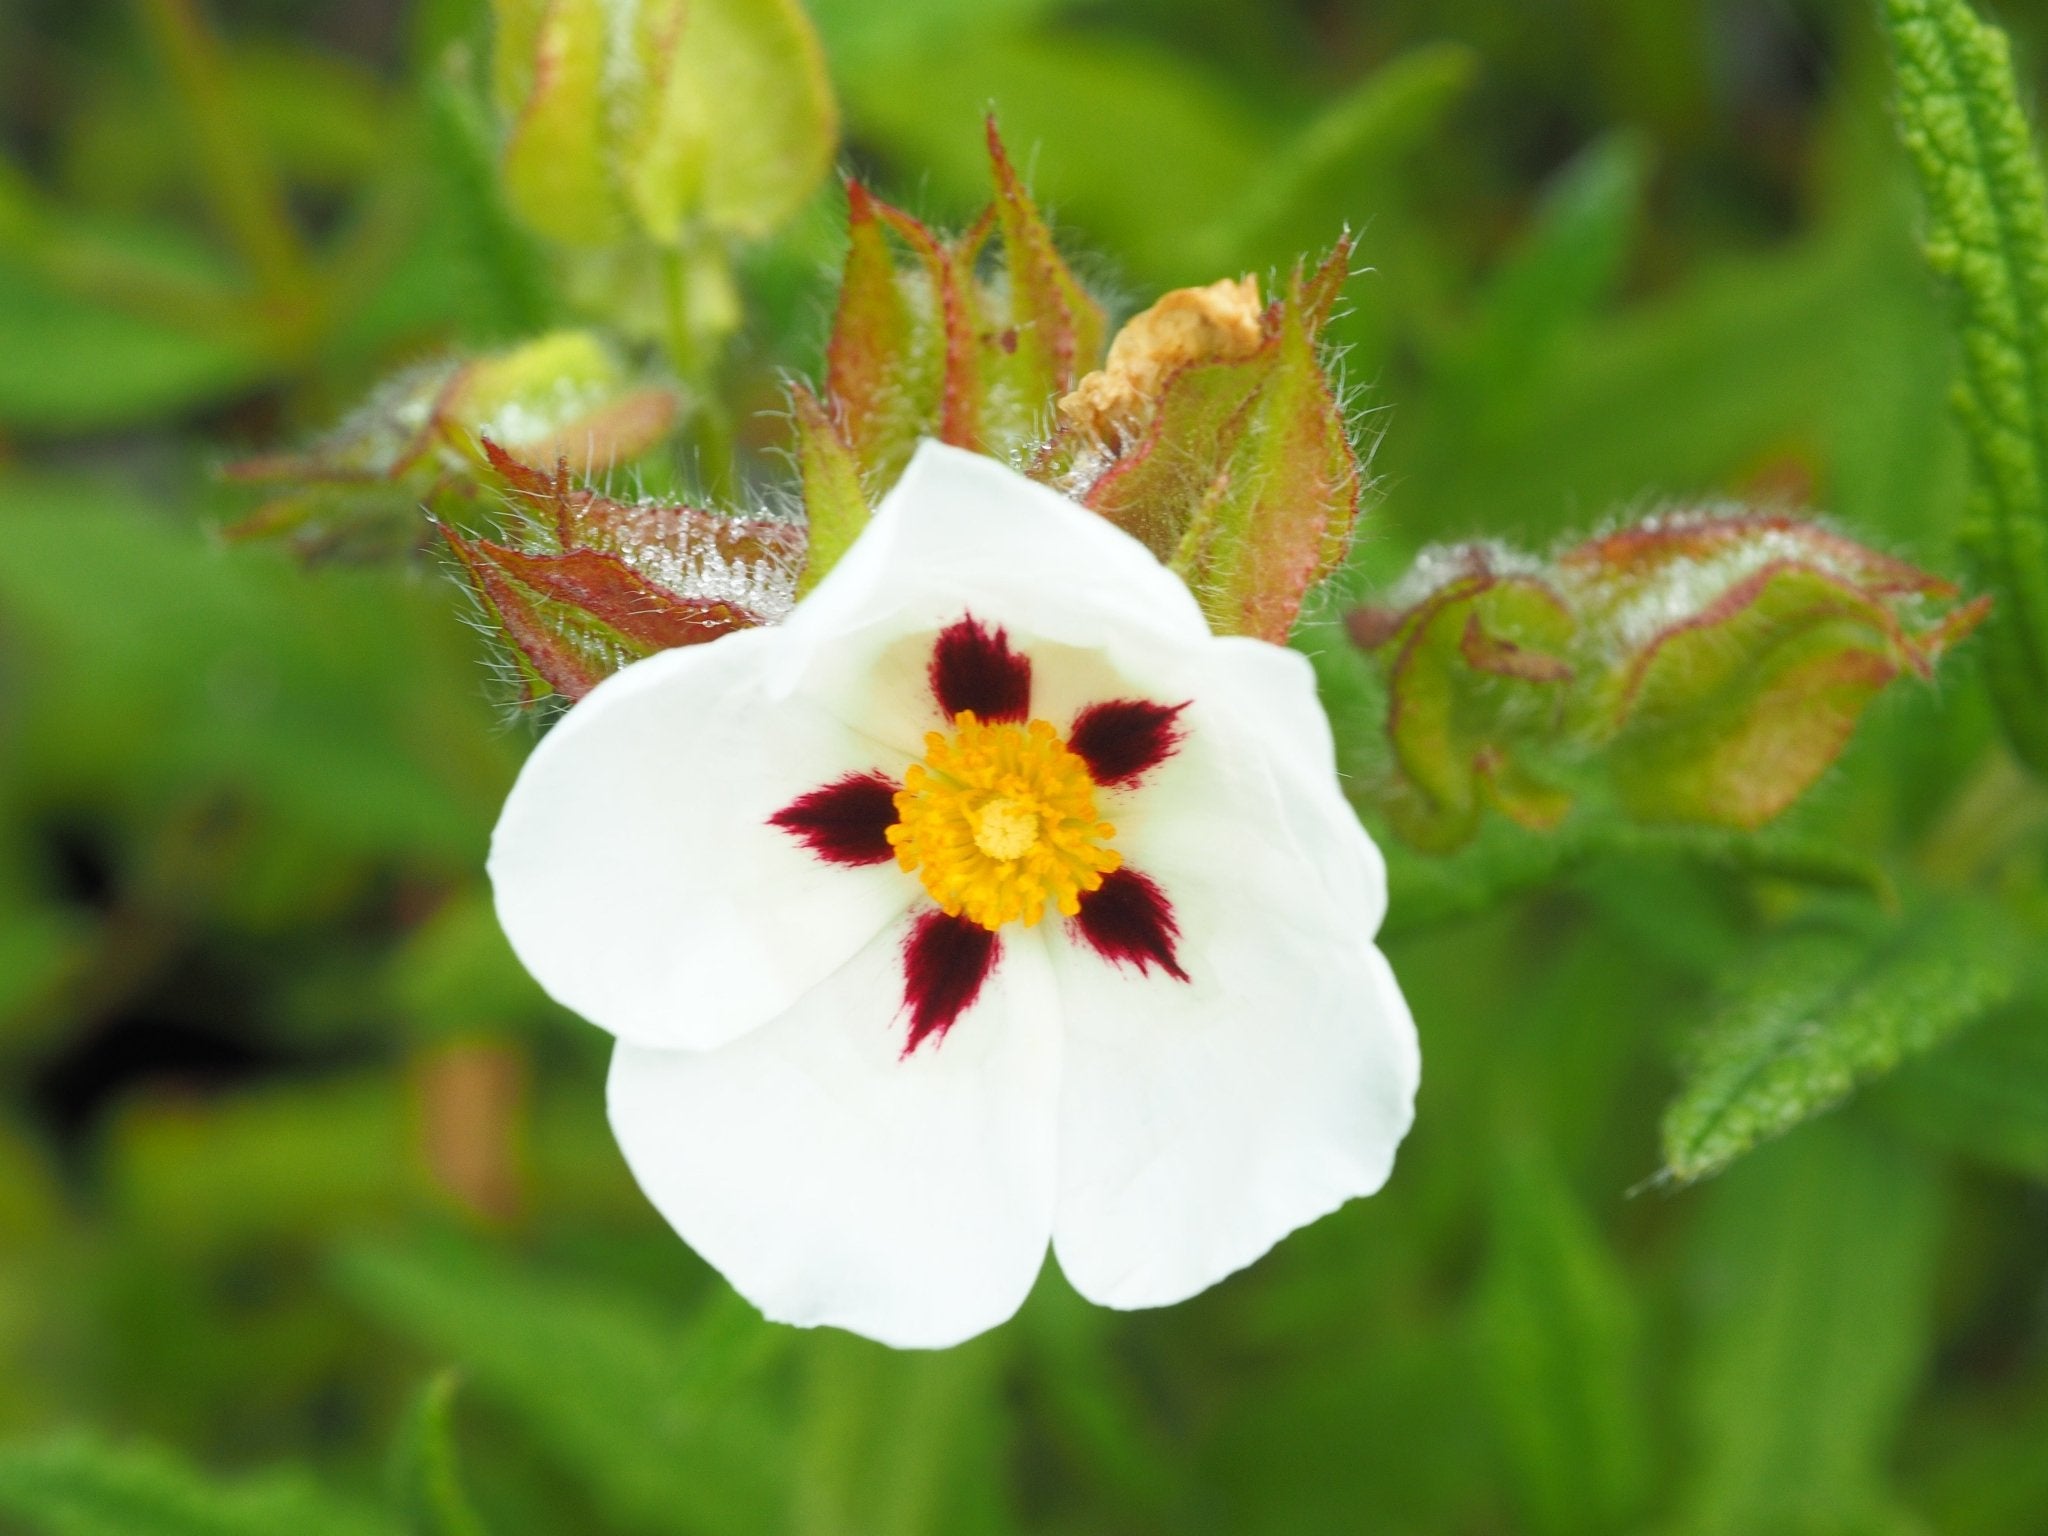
x=85 y=1487
x=1812 y=1273
x=656 y=1417
x=1823 y=1011
x=425 y=1476
x=1987 y=236
x=1559 y=1345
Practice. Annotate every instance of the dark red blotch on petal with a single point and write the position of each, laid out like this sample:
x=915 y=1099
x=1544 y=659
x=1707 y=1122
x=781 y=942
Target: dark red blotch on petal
x=945 y=961
x=846 y=822
x=974 y=668
x=1122 y=740
x=1129 y=921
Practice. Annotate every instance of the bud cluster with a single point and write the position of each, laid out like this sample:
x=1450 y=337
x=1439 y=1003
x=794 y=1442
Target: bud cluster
x=566 y=397
x=1707 y=665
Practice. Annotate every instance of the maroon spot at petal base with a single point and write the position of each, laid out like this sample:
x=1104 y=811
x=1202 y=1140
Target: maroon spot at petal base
x=846 y=822
x=974 y=668
x=945 y=961
x=1124 y=739
x=1129 y=921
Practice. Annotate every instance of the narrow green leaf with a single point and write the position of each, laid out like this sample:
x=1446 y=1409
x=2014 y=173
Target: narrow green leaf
x=1559 y=1343
x=84 y=1487
x=425 y=1475
x=659 y=1416
x=1823 y=1012
x=1987 y=237
x=1555 y=277
x=506 y=293
x=1812 y=1274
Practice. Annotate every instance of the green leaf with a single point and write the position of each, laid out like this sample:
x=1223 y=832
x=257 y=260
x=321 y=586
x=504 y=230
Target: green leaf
x=1986 y=1096
x=1987 y=236
x=1813 y=1275
x=505 y=292
x=86 y=1487
x=658 y=1414
x=425 y=1474
x=1822 y=1012
x=1559 y=1341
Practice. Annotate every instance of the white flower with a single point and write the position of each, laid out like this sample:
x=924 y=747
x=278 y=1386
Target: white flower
x=990 y=900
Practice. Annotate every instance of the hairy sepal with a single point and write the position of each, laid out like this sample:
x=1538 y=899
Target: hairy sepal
x=930 y=346
x=1245 y=480
x=589 y=594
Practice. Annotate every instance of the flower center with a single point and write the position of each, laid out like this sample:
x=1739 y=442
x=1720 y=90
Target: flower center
x=1006 y=829
x=998 y=820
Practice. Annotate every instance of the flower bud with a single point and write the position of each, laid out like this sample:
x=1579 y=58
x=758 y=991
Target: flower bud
x=933 y=348
x=566 y=396
x=1741 y=650
x=1474 y=647
x=1215 y=436
x=1709 y=667
x=661 y=118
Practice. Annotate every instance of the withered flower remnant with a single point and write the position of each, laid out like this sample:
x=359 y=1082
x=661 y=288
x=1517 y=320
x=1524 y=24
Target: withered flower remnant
x=1221 y=322
x=1707 y=665
x=1218 y=439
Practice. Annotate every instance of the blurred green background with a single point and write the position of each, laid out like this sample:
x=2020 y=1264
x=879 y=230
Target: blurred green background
x=285 y=1133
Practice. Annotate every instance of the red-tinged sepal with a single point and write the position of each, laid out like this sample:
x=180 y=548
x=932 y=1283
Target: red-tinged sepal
x=928 y=343
x=1745 y=649
x=1475 y=653
x=1215 y=435
x=589 y=583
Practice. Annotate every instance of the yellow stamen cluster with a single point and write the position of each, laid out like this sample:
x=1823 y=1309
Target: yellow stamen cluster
x=998 y=820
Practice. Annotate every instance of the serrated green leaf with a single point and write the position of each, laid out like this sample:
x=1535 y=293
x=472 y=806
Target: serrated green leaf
x=1812 y=1272
x=1987 y=237
x=426 y=1476
x=85 y=1487
x=659 y=1416
x=1559 y=1340
x=1823 y=1012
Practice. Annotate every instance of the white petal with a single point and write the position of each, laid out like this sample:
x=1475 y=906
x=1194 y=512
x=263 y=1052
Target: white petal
x=1257 y=762
x=833 y=1181
x=636 y=872
x=961 y=533
x=1203 y=1121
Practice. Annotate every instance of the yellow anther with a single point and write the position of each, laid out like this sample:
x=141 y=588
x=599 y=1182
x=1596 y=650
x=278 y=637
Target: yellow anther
x=999 y=821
